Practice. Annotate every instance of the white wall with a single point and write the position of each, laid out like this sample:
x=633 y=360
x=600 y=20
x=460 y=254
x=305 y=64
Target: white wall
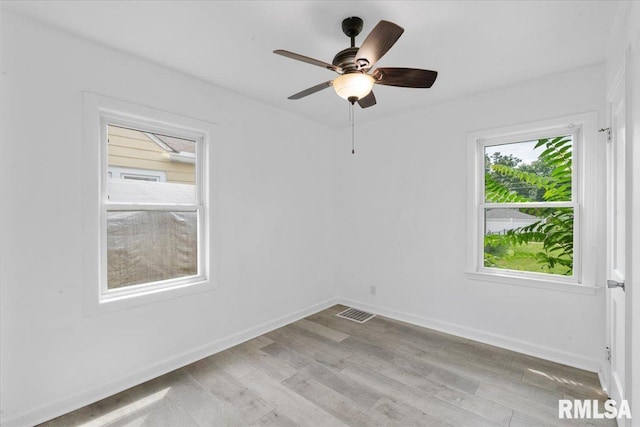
x=406 y=233
x=276 y=207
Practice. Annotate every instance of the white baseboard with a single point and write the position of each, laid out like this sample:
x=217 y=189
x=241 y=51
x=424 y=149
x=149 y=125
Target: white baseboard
x=66 y=405
x=516 y=345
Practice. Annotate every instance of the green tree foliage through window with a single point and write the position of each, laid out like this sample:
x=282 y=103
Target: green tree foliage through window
x=548 y=238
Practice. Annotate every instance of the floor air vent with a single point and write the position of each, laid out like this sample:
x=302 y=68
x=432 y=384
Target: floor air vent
x=356 y=315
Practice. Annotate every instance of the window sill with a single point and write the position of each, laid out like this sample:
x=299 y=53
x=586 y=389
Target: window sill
x=101 y=304
x=553 y=285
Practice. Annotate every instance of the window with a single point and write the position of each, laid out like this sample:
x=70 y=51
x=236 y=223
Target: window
x=527 y=203
x=528 y=207
x=151 y=226
x=152 y=213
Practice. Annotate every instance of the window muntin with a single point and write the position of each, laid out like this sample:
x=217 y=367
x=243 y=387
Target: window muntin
x=528 y=205
x=152 y=228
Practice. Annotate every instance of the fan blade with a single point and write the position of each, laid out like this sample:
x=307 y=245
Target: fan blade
x=311 y=90
x=308 y=60
x=367 y=101
x=377 y=43
x=405 y=77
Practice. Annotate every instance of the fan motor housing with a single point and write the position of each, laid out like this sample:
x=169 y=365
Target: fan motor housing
x=346 y=59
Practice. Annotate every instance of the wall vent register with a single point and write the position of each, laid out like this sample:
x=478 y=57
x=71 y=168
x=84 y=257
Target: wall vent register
x=356 y=315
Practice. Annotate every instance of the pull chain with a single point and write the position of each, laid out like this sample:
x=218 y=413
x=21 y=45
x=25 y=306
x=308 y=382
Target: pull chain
x=353 y=129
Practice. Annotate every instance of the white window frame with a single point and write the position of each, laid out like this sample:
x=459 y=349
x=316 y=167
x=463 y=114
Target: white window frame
x=585 y=193
x=102 y=111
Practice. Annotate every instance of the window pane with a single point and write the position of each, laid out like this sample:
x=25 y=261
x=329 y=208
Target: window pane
x=529 y=171
x=530 y=239
x=144 y=167
x=149 y=246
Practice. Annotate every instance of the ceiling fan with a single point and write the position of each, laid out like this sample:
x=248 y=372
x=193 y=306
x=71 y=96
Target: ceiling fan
x=355 y=82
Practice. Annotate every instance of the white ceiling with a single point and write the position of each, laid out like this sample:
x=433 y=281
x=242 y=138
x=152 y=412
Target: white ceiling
x=474 y=45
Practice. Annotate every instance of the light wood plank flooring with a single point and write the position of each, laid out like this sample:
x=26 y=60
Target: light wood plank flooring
x=328 y=371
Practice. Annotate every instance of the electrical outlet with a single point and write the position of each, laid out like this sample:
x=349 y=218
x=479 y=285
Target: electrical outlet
x=372 y=290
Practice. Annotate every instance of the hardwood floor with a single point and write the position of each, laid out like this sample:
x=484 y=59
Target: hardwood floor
x=326 y=371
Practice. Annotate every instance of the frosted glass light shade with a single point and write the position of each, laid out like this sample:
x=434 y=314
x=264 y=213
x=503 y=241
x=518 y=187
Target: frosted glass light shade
x=353 y=85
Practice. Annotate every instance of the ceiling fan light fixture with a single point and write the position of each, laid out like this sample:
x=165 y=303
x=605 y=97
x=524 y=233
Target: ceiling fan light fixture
x=354 y=65
x=353 y=86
